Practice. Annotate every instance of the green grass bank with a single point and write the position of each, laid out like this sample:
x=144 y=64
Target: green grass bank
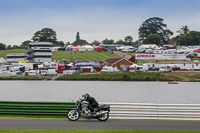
x=19 y=77
x=138 y=76
x=3 y=53
x=82 y=55
x=69 y=55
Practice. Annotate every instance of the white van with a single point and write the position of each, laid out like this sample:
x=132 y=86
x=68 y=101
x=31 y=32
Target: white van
x=43 y=72
x=51 y=72
x=109 y=69
x=165 y=68
x=32 y=73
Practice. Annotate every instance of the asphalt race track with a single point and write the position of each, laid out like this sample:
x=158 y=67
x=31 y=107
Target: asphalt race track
x=97 y=125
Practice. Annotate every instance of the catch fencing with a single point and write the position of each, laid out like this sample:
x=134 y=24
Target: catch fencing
x=118 y=110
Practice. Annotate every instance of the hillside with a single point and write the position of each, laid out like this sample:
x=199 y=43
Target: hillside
x=3 y=53
x=70 y=55
x=82 y=55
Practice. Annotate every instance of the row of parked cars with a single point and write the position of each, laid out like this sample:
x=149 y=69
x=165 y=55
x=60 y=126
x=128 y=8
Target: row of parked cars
x=49 y=72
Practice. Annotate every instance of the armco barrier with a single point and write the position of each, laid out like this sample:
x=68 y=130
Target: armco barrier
x=118 y=110
x=35 y=109
x=155 y=111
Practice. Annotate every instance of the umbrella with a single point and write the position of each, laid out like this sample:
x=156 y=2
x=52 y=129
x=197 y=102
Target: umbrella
x=22 y=62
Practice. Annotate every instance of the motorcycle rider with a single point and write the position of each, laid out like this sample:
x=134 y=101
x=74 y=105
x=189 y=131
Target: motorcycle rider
x=92 y=102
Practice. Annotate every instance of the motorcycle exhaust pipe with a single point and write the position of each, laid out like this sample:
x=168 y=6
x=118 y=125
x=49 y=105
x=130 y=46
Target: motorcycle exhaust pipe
x=103 y=112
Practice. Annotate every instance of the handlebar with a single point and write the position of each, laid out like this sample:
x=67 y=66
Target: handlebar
x=81 y=99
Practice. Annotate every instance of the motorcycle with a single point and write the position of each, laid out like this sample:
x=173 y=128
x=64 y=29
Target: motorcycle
x=101 y=112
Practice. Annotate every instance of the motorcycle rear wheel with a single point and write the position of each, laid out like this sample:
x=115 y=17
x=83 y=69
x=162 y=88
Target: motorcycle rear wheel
x=73 y=115
x=103 y=117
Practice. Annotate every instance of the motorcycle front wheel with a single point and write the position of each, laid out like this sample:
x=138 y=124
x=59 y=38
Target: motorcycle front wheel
x=103 y=117
x=73 y=115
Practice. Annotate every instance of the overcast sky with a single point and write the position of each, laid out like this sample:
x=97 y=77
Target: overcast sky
x=93 y=19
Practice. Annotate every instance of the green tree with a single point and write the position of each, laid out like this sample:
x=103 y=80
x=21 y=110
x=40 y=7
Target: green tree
x=183 y=30
x=191 y=38
x=107 y=41
x=152 y=39
x=9 y=47
x=77 y=36
x=2 y=46
x=128 y=40
x=80 y=42
x=24 y=44
x=15 y=47
x=58 y=44
x=120 y=42
x=138 y=42
x=45 y=35
x=95 y=42
x=154 y=25
x=68 y=43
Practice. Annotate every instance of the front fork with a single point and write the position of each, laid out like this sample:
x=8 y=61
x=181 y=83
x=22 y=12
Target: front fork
x=76 y=110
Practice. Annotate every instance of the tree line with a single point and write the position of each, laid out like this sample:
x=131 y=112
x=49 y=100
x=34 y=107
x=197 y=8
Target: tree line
x=151 y=31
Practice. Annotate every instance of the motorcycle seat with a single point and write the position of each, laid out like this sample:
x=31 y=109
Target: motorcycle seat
x=96 y=109
x=104 y=106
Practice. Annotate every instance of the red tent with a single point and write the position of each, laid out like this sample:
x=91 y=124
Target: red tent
x=197 y=50
x=76 y=47
x=100 y=48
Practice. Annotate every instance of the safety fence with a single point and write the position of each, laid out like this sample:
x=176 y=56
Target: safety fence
x=118 y=110
x=35 y=109
x=155 y=111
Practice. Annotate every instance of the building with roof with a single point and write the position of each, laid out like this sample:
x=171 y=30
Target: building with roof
x=120 y=63
x=16 y=57
x=39 y=52
x=36 y=52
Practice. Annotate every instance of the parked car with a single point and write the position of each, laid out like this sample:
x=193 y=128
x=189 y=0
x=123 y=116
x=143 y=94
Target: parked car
x=30 y=73
x=109 y=69
x=125 y=69
x=156 y=68
x=142 y=50
x=73 y=71
x=51 y=72
x=44 y=72
x=120 y=48
x=176 y=68
x=5 y=73
x=165 y=68
x=128 y=50
x=149 y=51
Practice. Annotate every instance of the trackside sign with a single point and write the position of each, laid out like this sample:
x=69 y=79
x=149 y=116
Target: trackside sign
x=160 y=57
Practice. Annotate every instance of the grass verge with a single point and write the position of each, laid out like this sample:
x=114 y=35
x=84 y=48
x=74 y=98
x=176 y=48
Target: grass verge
x=138 y=76
x=26 y=78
